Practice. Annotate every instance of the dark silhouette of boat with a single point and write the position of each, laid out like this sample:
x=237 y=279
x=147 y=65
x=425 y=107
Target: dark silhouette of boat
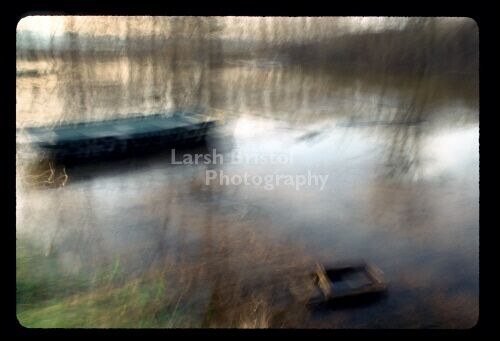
x=345 y=286
x=120 y=136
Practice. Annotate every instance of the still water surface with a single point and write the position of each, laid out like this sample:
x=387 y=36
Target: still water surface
x=401 y=154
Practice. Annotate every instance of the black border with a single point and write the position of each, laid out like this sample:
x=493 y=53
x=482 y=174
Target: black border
x=393 y=8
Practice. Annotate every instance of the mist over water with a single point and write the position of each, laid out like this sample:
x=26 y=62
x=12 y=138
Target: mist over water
x=387 y=107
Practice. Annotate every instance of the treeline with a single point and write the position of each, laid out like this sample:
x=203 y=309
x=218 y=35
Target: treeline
x=434 y=45
x=424 y=45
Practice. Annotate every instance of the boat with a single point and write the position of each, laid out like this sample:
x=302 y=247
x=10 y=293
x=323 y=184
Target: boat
x=119 y=136
x=342 y=286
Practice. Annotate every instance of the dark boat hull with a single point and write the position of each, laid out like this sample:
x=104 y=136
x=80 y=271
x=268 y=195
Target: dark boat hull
x=120 y=137
x=348 y=286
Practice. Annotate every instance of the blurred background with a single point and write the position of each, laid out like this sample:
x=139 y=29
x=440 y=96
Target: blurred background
x=388 y=107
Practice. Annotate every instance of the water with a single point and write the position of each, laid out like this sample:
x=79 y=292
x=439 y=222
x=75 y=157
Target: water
x=401 y=154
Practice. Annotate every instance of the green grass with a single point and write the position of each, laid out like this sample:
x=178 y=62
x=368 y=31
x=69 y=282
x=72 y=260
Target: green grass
x=47 y=297
x=212 y=291
x=133 y=305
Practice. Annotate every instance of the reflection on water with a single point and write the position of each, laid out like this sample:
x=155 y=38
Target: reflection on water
x=125 y=87
x=401 y=153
